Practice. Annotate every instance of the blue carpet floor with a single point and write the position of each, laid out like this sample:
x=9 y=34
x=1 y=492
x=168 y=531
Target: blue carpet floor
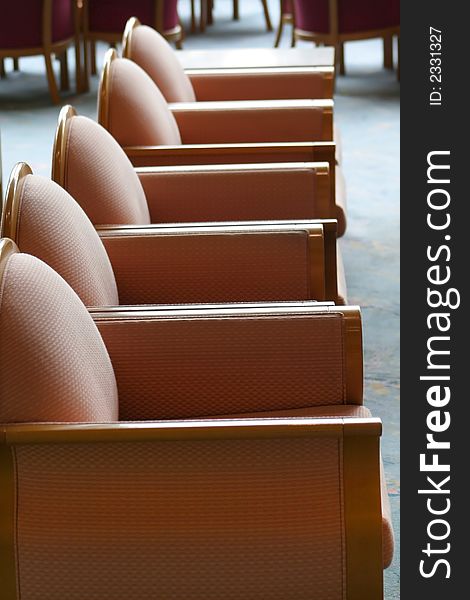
x=367 y=112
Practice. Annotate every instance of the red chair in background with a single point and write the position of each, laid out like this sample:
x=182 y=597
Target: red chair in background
x=286 y=18
x=334 y=22
x=50 y=27
x=104 y=20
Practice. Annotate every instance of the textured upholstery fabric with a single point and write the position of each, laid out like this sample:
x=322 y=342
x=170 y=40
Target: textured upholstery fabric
x=190 y=268
x=111 y=15
x=169 y=369
x=52 y=226
x=231 y=195
x=54 y=364
x=19 y=32
x=360 y=15
x=258 y=518
x=152 y=52
x=246 y=85
x=101 y=178
x=138 y=113
x=234 y=124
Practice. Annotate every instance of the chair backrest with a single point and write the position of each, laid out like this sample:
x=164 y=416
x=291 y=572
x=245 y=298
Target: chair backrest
x=358 y=16
x=45 y=221
x=47 y=21
x=132 y=108
x=93 y=168
x=109 y=16
x=147 y=48
x=54 y=365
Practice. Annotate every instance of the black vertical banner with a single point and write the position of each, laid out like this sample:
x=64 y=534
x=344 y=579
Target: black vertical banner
x=435 y=334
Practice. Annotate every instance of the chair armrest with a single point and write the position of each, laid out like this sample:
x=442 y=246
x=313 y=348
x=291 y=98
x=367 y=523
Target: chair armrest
x=261 y=84
x=254 y=121
x=158 y=265
x=215 y=362
x=276 y=191
x=90 y=507
x=216 y=154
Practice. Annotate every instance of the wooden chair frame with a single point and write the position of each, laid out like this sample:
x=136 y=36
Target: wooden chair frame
x=357 y=438
x=49 y=48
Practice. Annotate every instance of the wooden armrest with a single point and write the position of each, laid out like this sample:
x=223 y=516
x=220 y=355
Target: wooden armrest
x=261 y=84
x=254 y=121
x=204 y=154
x=89 y=507
x=211 y=362
x=238 y=192
x=216 y=264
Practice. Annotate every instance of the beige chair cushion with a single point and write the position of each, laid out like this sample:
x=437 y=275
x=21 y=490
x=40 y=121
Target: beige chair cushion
x=53 y=227
x=54 y=364
x=101 y=178
x=132 y=92
x=154 y=54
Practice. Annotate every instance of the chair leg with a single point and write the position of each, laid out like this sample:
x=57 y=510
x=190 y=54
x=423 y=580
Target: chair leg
x=16 y=64
x=93 y=57
x=51 y=79
x=269 y=26
x=293 y=39
x=236 y=10
x=210 y=13
x=3 y=73
x=279 y=33
x=203 y=15
x=388 y=52
x=64 y=72
x=86 y=66
x=193 y=16
x=340 y=58
x=79 y=74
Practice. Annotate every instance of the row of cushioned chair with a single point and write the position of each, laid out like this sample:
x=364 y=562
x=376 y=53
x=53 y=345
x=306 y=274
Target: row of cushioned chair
x=156 y=435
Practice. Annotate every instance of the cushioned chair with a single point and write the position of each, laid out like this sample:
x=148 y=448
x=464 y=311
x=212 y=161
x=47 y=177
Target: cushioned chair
x=92 y=167
x=158 y=265
x=286 y=17
x=134 y=111
x=86 y=158
x=91 y=505
x=49 y=27
x=334 y=22
x=146 y=47
x=104 y=20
